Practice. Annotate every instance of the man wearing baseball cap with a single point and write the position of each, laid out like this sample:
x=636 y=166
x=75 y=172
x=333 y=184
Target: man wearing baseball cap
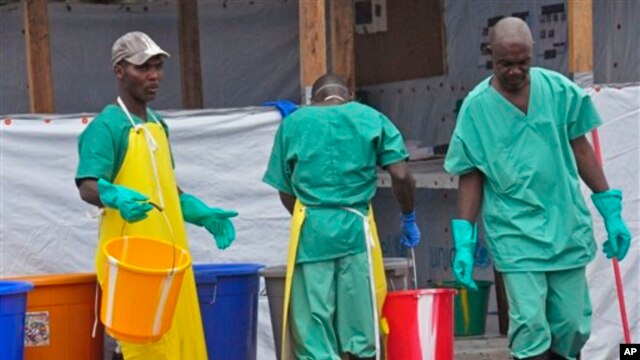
x=126 y=168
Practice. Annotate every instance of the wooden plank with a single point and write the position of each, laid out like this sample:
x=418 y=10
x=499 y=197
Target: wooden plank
x=39 y=73
x=313 y=42
x=580 y=15
x=342 y=41
x=190 y=67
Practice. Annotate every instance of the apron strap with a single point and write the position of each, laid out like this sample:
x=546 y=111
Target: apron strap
x=297 y=219
x=368 y=235
x=151 y=143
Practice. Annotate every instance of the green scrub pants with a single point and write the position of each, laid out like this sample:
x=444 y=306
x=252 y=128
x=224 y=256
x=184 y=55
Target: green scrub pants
x=548 y=310
x=331 y=309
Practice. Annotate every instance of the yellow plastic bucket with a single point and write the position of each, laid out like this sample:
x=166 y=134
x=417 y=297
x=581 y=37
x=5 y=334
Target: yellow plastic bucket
x=142 y=282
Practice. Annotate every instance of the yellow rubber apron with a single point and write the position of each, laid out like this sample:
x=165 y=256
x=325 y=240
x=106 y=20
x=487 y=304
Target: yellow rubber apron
x=147 y=168
x=376 y=270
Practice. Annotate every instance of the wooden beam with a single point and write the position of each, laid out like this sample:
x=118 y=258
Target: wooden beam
x=190 y=67
x=342 y=41
x=580 y=15
x=36 y=28
x=313 y=42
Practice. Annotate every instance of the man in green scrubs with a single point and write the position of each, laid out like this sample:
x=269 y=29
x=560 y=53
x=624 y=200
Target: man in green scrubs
x=325 y=156
x=125 y=166
x=520 y=147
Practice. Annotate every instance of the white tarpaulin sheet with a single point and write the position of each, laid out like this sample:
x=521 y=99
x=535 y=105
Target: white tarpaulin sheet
x=620 y=142
x=220 y=156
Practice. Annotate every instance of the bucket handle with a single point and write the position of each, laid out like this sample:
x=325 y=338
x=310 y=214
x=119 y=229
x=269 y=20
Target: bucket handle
x=412 y=263
x=215 y=292
x=173 y=238
x=214 y=281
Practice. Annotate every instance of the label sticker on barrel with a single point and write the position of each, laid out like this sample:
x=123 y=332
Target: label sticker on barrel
x=36 y=329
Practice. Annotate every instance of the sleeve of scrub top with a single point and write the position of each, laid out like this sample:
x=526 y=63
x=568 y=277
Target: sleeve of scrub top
x=583 y=116
x=96 y=152
x=458 y=160
x=278 y=173
x=391 y=147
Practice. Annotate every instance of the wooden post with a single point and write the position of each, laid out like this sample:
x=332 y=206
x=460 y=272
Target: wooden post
x=313 y=42
x=36 y=26
x=580 y=15
x=190 y=68
x=342 y=41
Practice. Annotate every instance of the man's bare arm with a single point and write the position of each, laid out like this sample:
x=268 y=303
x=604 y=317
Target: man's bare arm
x=403 y=185
x=470 y=195
x=88 y=189
x=588 y=167
x=288 y=201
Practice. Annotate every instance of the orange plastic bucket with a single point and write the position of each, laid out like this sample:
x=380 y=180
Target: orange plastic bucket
x=60 y=317
x=142 y=282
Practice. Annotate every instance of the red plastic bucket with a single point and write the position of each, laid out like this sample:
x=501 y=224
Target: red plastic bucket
x=420 y=324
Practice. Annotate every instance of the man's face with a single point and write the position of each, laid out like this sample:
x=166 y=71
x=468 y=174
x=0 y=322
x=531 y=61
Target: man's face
x=141 y=81
x=511 y=62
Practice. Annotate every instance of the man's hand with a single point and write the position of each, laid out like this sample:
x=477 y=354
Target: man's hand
x=609 y=204
x=216 y=221
x=410 y=230
x=221 y=228
x=465 y=238
x=133 y=205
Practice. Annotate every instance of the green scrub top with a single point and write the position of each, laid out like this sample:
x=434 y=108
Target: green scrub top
x=326 y=156
x=103 y=144
x=535 y=217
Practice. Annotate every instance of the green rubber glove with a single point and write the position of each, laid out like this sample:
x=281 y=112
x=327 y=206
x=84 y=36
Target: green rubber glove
x=133 y=205
x=215 y=220
x=465 y=238
x=609 y=205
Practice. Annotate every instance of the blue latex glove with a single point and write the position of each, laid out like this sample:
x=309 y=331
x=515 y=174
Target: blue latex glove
x=285 y=107
x=609 y=205
x=133 y=205
x=215 y=220
x=465 y=238
x=410 y=231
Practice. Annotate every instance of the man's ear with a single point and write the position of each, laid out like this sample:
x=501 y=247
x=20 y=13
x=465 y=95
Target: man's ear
x=119 y=70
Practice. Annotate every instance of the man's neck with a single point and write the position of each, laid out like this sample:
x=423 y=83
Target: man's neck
x=523 y=90
x=135 y=107
x=519 y=97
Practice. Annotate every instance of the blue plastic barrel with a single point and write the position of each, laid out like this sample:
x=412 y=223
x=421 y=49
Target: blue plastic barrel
x=228 y=296
x=13 y=304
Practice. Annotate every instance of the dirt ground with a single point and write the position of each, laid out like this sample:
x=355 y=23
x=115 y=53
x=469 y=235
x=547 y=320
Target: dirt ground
x=491 y=346
x=482 y=348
